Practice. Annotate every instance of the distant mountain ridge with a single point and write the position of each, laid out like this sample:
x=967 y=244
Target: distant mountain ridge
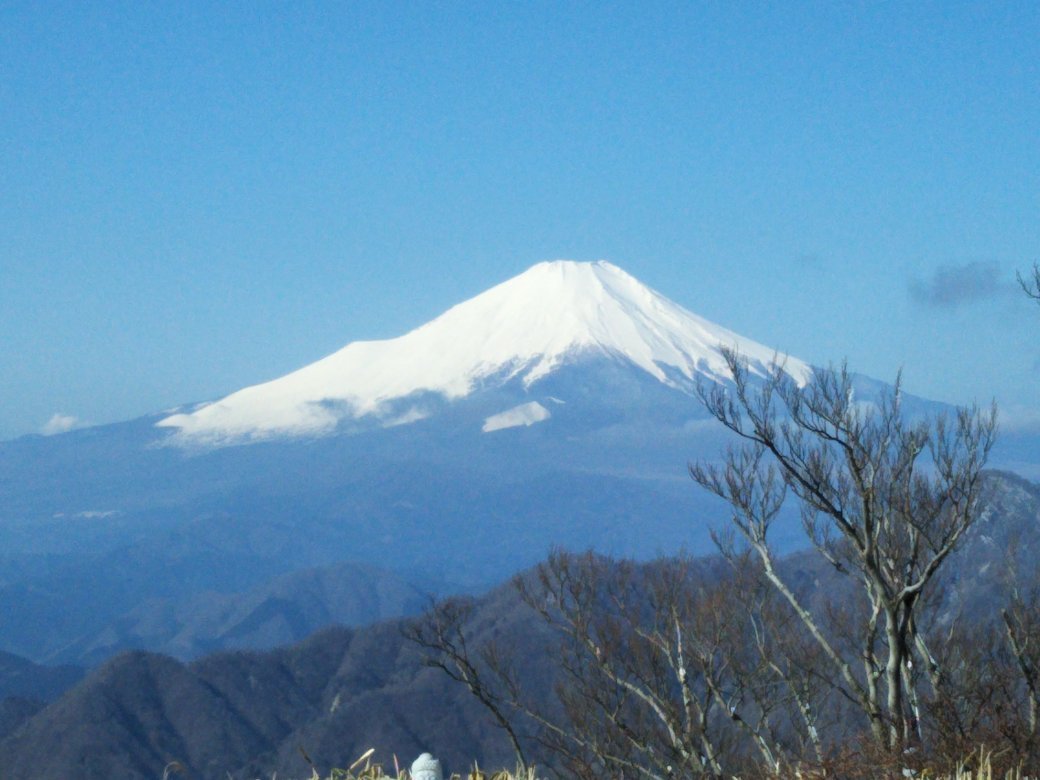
x=23 y=679
x=342 y=691
x=279 y=612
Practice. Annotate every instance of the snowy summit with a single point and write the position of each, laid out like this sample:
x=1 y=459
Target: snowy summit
x=524 y=328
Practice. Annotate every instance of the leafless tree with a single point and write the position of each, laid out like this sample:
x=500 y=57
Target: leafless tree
x=442 y=633
x=1031 y=283
x=674 y=668
x=663 y=671
x=654 y=682
x=990 y=686
x=884 y=499
x=1021 y=619
x=640 y=688
x=1021 y=615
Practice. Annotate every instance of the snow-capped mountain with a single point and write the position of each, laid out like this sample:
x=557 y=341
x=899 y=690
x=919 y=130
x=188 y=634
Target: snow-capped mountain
x=524 y=329
x=555 y=409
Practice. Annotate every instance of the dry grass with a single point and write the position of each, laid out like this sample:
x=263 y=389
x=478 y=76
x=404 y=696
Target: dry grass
x=365 y=769
x=982 y=764
x=978 y=766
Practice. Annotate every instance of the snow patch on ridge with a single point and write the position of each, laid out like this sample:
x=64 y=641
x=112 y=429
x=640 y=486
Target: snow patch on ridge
x=525 y=414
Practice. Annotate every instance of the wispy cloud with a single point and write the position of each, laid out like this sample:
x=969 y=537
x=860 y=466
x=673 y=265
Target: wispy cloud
x=951 y=286
x=60 y=423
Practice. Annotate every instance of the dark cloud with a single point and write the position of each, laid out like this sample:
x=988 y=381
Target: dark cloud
x=953 y=285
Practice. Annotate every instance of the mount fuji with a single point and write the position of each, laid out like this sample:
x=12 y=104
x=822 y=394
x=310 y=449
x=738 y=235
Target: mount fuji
x=525 y=329
x=557 y=408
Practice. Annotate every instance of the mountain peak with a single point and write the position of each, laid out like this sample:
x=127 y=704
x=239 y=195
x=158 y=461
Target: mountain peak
x=522 y=328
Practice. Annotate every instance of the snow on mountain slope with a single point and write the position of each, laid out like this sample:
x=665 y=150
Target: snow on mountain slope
x=525 y=414
x=523 y=328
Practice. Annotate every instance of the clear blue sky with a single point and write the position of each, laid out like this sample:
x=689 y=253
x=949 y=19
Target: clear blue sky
x=195 y=197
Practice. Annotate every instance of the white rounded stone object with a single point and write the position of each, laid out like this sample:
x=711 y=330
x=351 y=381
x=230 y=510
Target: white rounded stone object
x=426 y=767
